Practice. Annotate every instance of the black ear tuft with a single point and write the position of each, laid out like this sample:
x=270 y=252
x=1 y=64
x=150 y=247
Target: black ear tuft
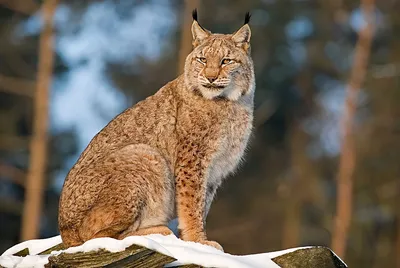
x=194 y=14
x=246 y=18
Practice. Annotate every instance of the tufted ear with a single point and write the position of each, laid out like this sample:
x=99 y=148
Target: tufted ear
x=199 y=33
x=242 y=36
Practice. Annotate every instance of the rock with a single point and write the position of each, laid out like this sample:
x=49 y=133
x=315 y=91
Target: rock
x=321 y=257
x=141 y=257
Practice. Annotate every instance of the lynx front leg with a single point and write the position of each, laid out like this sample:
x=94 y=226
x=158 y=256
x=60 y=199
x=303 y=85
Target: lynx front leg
x=191 y=187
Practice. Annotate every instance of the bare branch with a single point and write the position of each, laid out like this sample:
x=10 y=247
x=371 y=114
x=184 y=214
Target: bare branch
x=13 y=174
x=26 y=7
x=16 y=86
x=10 y=206
x=13 y=142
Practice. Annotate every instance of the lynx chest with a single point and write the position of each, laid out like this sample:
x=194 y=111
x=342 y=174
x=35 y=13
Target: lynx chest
x=235 y=131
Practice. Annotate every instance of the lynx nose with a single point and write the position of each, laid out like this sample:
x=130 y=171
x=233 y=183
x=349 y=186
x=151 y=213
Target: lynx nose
x=212 y=78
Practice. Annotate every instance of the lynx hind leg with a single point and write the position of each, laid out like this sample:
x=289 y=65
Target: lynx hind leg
x=161 y=229
x=139 y=186
x=70 y=237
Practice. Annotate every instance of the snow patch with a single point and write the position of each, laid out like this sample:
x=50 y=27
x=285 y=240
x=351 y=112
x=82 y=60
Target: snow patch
x=184 y=252
x=35 y=246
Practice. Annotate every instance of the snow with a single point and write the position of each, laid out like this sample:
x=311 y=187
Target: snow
x=30 y=261
x=35 y=246
x=185 y=252
x=337 y=257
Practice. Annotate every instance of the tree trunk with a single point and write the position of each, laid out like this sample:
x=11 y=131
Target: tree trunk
x=186 y=36
x=294 y=196
x=397 y=245
x=37 y=166
x=347 y=159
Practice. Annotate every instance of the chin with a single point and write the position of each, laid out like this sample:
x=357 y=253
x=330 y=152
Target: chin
x=211 y=93
x=229 y=93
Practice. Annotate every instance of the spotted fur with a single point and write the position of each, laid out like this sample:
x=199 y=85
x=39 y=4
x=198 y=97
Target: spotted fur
x=166 y=156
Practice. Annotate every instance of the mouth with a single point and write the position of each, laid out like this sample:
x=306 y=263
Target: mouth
x=213 y=87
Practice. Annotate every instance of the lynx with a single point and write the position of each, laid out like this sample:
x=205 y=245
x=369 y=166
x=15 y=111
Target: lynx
x=166 y=156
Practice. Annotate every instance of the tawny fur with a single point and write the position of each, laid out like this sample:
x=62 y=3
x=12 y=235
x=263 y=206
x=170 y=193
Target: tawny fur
x=166 y=156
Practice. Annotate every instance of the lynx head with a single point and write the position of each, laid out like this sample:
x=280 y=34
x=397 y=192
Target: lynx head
x=220 y=65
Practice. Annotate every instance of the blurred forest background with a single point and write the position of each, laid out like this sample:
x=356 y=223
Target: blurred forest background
x=308 y=179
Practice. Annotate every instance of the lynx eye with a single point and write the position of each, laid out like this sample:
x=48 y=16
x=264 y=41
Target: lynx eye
x=226 y=61
x=202 y=60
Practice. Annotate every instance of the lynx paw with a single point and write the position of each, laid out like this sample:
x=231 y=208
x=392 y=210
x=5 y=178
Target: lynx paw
x=212 y=244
